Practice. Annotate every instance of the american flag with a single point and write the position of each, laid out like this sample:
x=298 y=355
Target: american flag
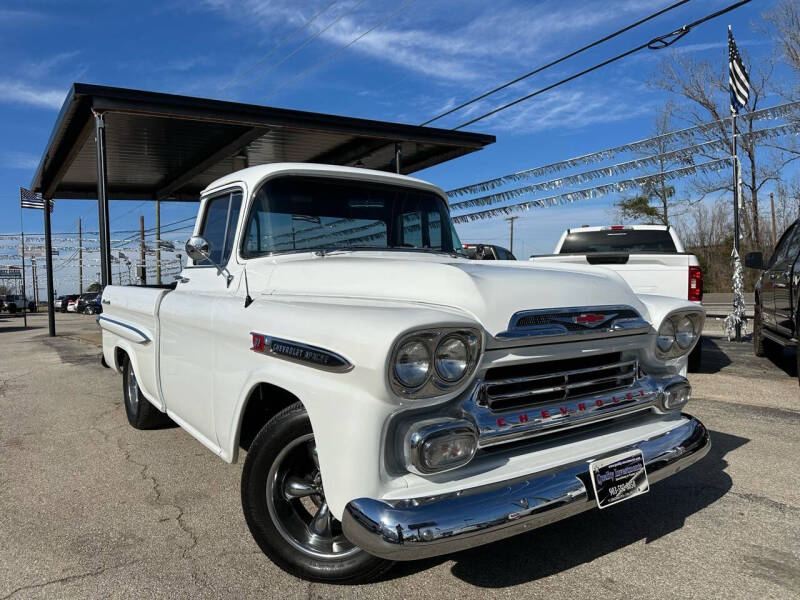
x=737 y=77
x=31 y=199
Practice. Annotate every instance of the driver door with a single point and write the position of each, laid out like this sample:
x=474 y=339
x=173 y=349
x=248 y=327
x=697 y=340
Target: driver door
x=187 y=333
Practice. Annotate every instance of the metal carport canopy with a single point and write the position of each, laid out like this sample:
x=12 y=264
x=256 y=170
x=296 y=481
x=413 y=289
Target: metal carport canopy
x=113 y=143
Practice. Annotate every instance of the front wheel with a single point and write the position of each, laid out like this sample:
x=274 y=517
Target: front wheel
x=285 y=508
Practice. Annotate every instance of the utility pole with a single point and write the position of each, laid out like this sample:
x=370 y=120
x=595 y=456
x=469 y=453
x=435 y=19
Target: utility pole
x=772 y=207
x=143 y=267
x=511 y=245
x=158 y=241
x=80 y=257
x=35 y=283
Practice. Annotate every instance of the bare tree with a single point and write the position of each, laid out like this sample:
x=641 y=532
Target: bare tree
x=784 y=21
x=704 y=93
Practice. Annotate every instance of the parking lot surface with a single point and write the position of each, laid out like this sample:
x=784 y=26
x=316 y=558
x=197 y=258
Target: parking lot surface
x=91 y=508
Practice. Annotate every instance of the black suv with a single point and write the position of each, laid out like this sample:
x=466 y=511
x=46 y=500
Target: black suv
x=487 y=252
x=775 y=324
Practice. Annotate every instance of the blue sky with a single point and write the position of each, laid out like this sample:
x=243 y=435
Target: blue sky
x=427 y=57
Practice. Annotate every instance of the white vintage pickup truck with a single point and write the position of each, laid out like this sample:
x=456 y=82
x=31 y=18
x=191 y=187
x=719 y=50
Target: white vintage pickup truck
x=396 y=399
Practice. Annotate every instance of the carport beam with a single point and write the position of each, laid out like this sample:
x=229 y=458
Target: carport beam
x=48 y=249
x=102 y=198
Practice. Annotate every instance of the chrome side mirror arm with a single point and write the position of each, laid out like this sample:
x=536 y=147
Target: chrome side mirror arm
x=198 y=248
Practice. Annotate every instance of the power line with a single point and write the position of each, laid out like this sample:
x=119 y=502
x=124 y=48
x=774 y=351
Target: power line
x=657 y=43
x=558 y=60
x=280 y=45
x=333 y=55
x=309 y=40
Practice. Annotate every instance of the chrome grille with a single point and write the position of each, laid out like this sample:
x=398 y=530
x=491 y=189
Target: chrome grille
x=533 y=384
x=563 y=319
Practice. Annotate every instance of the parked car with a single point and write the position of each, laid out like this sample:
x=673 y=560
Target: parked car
x=12 y=303
x=777 y=296
x=85 y=300
x=651 y=258
x=72 y=304
x=93 y=305
x=65 y=303
x=58 y=302
x=389 y=391
x=487 y=252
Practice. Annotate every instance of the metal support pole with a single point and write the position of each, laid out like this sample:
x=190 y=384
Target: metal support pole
x=24 y=291
x=80 y=257
x=102 y=198
x=398 y=157
x=48 y=249
x=35 y=282
x=158 y=241
x=735 y=205
x=141 y=251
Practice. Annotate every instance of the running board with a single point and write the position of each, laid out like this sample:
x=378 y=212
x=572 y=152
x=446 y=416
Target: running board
x=778 y=339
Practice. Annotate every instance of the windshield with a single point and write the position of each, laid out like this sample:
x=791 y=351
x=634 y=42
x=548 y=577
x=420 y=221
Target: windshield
x=654 y=241
x=295 y=213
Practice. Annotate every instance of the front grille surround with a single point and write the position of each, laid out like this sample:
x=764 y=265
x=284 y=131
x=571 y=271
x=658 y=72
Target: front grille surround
x=535 y=384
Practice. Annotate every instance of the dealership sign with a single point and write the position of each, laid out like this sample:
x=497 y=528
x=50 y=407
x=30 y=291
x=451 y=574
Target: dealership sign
x=37 y=250
x=10 y=273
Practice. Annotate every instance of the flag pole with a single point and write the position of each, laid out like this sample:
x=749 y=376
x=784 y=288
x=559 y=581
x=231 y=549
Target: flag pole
x=735 y=158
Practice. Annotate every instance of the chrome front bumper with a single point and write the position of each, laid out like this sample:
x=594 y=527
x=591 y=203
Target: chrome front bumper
x=423 y=527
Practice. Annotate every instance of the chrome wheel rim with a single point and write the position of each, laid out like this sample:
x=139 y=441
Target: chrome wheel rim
x=133 y=388
x=297 y=505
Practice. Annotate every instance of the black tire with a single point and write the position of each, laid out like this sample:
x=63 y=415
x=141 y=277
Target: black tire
x=696 y=357
x=761 y=345
x=140 y=412
x=280 y=452
x=12 y=309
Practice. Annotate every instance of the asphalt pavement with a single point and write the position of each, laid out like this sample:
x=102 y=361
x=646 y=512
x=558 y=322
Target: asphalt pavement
x=91 y=508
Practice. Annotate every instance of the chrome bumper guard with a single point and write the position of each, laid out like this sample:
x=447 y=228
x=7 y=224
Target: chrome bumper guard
x=424 y=527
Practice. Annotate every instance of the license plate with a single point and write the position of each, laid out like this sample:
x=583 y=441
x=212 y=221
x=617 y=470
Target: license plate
x=618 y=478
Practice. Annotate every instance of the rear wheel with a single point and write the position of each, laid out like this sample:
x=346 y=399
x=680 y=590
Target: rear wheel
x=758 y=336
x=140 y=412
x=285 y=507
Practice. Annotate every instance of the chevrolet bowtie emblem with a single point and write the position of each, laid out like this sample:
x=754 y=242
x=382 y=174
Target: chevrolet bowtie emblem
x=586 y=319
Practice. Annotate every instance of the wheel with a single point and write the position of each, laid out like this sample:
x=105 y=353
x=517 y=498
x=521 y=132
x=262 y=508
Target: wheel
x=140 y=412
x=285 y=508
x=761 y=345
x=696 y=357
x=12 y=309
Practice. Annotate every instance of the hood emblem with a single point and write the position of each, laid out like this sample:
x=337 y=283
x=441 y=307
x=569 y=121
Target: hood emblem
x=585 y=319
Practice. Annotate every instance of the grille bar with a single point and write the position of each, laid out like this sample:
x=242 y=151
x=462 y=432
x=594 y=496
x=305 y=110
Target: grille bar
x=560 y=385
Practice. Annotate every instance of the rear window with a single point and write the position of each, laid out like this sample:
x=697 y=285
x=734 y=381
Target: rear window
x=632 y=241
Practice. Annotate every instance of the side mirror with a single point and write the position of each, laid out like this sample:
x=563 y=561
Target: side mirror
x=754 y=260
x=198 y=248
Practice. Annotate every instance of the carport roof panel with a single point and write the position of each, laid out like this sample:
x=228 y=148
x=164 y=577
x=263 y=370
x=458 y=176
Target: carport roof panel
x=168 y=146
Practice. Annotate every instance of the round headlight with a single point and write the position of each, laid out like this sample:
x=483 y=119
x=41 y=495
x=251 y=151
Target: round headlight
x=666 y=336
x=452 y=358
x=412 y=364
x=685 y=333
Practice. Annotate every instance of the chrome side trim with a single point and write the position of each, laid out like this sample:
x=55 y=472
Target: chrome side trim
x=297 y=352
x=418 y=528
x=129 y=332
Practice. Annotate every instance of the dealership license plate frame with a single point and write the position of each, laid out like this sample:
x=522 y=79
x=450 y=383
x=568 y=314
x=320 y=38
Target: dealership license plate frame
x=605 y=491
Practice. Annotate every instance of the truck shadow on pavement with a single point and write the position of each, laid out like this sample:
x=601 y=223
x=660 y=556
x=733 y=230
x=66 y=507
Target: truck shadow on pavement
x=714 y=357
x=583 y=538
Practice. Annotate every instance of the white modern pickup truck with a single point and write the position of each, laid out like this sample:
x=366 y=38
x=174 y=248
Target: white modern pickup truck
x=650 y=258
x=396 y=399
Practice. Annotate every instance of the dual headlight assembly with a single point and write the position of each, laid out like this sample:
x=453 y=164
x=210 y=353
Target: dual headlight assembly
x=429 y=363
x=678 y=334
x=432 y=362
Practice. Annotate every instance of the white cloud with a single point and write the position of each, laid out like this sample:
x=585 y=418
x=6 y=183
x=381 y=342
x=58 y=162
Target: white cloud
x=19 y=160
x=17 y=92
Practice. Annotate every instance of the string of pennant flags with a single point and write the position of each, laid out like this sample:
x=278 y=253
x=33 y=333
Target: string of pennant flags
x=587 y=193
x=687 y=135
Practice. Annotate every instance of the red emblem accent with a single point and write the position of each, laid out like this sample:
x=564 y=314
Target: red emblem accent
x=258 y=342
x=591 y=319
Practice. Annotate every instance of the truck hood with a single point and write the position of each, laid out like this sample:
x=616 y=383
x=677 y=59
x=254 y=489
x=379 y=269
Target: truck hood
x=489 y=292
